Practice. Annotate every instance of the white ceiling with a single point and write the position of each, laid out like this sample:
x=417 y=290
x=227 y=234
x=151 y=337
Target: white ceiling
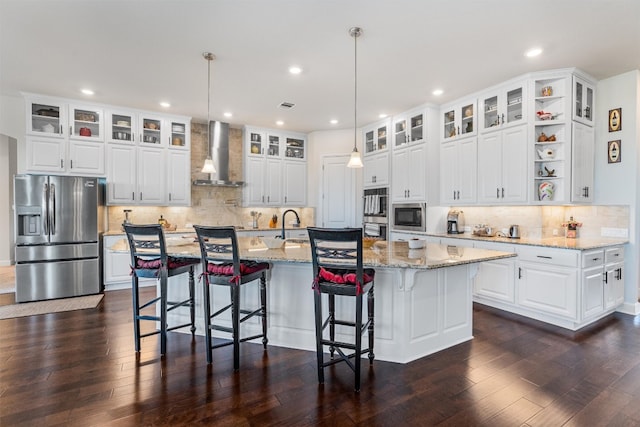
x=138 y=53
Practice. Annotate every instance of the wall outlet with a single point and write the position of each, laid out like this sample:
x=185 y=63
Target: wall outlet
x=614 y=232
x=467 y=229
x=555 y=231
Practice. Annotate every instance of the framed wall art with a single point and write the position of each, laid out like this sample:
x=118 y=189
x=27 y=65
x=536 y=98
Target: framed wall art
x=614 y=151
x=615 y=120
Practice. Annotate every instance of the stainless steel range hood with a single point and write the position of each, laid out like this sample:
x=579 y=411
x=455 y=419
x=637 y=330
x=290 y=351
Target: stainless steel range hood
x=219 y=150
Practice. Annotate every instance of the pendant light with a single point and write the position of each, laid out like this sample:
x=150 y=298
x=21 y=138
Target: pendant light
x=208 y=163
x=355 y=161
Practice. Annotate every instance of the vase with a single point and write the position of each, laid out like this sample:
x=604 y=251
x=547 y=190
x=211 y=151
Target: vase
x=545 y=191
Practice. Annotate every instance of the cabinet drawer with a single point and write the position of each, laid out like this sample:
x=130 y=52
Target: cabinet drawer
x=592 y=258
x=568 y=258
x=614 y=254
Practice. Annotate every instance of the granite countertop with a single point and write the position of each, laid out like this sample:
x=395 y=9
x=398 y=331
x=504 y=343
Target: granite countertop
x=550 y=242
x=239 y=229
x=382 y=254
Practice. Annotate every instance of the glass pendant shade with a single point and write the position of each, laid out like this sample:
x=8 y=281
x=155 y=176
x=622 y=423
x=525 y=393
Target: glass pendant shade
x=355 y=161
x=208 y=166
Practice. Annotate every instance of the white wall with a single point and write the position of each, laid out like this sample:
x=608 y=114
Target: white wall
x=329 y=142
x=12 y=124
x=8 y=163
x=618 y=183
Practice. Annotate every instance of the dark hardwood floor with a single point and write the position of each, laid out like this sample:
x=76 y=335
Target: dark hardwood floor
x=79 y=368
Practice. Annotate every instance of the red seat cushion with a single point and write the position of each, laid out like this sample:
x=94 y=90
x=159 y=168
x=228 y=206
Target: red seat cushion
x=345 y=276
x=154 y=264
x=246 y=267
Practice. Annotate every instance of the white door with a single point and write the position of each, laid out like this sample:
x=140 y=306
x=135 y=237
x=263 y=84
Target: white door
x=338 y=193
x=295 y=183
x=86 y=158
x=151 y=176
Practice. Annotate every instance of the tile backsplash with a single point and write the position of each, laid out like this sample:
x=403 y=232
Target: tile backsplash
x=543 y=221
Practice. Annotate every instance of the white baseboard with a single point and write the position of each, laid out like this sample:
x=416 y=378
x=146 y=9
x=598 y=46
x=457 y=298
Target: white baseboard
x=6 y=263
x=629 y=308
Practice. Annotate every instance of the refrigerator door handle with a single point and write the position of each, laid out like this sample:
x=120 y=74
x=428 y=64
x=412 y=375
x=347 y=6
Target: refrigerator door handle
x=53 y=209
x=45 y=213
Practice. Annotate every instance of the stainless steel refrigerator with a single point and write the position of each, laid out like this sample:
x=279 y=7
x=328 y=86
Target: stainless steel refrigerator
x=58 y=226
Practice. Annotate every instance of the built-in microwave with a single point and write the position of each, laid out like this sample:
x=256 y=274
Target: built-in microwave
x=409 y=217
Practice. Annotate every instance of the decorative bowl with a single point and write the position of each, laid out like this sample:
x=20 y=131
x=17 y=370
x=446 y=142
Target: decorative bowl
x=416 y=243
x=273 y=242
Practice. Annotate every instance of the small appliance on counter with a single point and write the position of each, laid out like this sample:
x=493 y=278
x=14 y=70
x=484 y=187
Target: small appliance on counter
x=455 y=222
x=514 y=231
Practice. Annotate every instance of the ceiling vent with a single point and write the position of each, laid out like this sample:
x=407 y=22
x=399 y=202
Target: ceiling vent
x=287 y=105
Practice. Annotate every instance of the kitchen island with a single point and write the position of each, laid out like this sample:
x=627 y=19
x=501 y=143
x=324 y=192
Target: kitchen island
x=423 y=296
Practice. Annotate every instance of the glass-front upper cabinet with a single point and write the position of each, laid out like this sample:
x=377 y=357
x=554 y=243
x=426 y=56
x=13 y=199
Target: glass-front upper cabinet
x=375 y=137
x=151 y=132
x=295 y=148
x=86 y=123
x=121 y=127
x=46 y=118
x=180 y=130
x=458 y=120
x=583 y=99
x=255 y=142
x=409 y=128
x=503 y=107
x=273 y=142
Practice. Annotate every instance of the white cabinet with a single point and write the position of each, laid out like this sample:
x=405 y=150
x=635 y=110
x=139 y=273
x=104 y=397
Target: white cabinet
x=502 y=166
x=295 y=183
x=613 y=277
x=178 y=182
x=274 y=168
x=151 y=177
x=64 y=138
x=583 y=100
x=121 y=174
x=409 y=128
x=582 y=163
x=375 y=137
x=458 y=120
x=458 y=172
x=593 y=292
x=376 y=170
x=376 y=154
x=495 y=280
x=122 y=126
x=547 y=281
x=503 y=106
x=409 y=173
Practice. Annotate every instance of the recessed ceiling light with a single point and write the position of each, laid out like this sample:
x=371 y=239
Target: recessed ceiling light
x=333 y=121
x=383 y=115
x=295 y=69
x=533 y=52
x=165 y=104
x=88 y=91
x=228 y=114
x=279 y=122
x=438 y=92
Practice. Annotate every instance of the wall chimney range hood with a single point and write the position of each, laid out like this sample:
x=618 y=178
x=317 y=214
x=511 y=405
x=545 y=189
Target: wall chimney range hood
x=219 y=150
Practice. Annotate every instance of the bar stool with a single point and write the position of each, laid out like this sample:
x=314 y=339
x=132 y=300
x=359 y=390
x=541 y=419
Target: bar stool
x=337 y=270
x=221 y=265
x=149 y=259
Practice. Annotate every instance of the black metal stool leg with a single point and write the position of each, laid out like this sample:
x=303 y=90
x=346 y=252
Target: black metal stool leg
x=332 y=322
x=163 y=311
x=207 y=316
x=263 y=306
x=358 y=349
x=192 y=301
x=317 y=298
x=235 y=319
x=136 y=310
x=370 y=308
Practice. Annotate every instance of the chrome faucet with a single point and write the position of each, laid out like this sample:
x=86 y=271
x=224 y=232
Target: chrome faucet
x=296 y=224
